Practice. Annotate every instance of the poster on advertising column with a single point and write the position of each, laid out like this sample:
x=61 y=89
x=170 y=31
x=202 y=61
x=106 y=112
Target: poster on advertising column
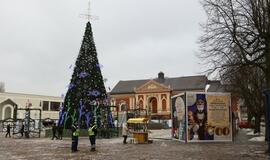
x=178 y=118
x=219 y=116
x=197 y=118
x=208 y=117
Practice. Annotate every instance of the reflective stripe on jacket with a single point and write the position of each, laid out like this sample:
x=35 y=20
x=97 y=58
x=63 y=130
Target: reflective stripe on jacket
x=91 y=131
x=76 y=133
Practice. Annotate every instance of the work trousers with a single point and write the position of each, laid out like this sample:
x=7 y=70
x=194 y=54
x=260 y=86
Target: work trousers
x=74 y=144
x=92 y=142
x=125 y=139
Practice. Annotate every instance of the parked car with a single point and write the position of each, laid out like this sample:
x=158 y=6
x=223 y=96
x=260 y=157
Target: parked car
x=243 y=124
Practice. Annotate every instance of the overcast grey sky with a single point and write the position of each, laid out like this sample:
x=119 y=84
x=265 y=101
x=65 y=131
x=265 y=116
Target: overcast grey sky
x=135 y=39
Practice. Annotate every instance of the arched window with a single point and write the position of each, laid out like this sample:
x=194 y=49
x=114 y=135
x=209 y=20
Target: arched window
x=123 y=106
x=164 y=105
x=141 y=104
x=153 y=102
x=7 y=113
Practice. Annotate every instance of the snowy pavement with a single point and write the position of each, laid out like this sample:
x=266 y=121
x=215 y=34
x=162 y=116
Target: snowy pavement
x=160 y=134
x=113 y=149
x=254 y=137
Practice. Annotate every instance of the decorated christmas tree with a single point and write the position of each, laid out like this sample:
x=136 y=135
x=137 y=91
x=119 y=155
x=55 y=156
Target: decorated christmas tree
x=86 y=96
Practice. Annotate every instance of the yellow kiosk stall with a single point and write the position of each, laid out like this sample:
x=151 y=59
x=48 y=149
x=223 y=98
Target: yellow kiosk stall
x=138 y=127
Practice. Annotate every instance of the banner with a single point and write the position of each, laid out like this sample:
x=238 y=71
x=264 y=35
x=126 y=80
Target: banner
x=178 y=118
x=219 y=116
x=208 y=117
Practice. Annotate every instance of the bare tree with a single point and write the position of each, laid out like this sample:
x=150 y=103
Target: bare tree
x=247 y=83
x=241 y=24
x=236 y=43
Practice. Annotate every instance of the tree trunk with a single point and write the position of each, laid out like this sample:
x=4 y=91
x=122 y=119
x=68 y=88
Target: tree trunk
x=257 y=128
x=249 y=119
x=267 y=62
x=267 y=75
x=266 y=129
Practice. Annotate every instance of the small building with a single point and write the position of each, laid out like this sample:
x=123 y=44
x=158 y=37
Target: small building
x=154 y=95
x=49 y=106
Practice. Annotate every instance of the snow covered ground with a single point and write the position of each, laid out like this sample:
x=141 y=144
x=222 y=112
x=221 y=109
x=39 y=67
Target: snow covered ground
x=114 y=149
x=251 y=133
x=160 y=134
x=257 y=137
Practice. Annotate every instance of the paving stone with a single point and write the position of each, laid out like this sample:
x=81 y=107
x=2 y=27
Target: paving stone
x=113 y=149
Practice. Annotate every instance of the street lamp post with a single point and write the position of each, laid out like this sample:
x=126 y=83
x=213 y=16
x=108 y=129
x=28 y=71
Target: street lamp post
x=27 y=119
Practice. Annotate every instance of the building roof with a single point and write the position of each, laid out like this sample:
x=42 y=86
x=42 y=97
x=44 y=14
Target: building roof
x=10 y=94
x=8 y=101
x=176 y=84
